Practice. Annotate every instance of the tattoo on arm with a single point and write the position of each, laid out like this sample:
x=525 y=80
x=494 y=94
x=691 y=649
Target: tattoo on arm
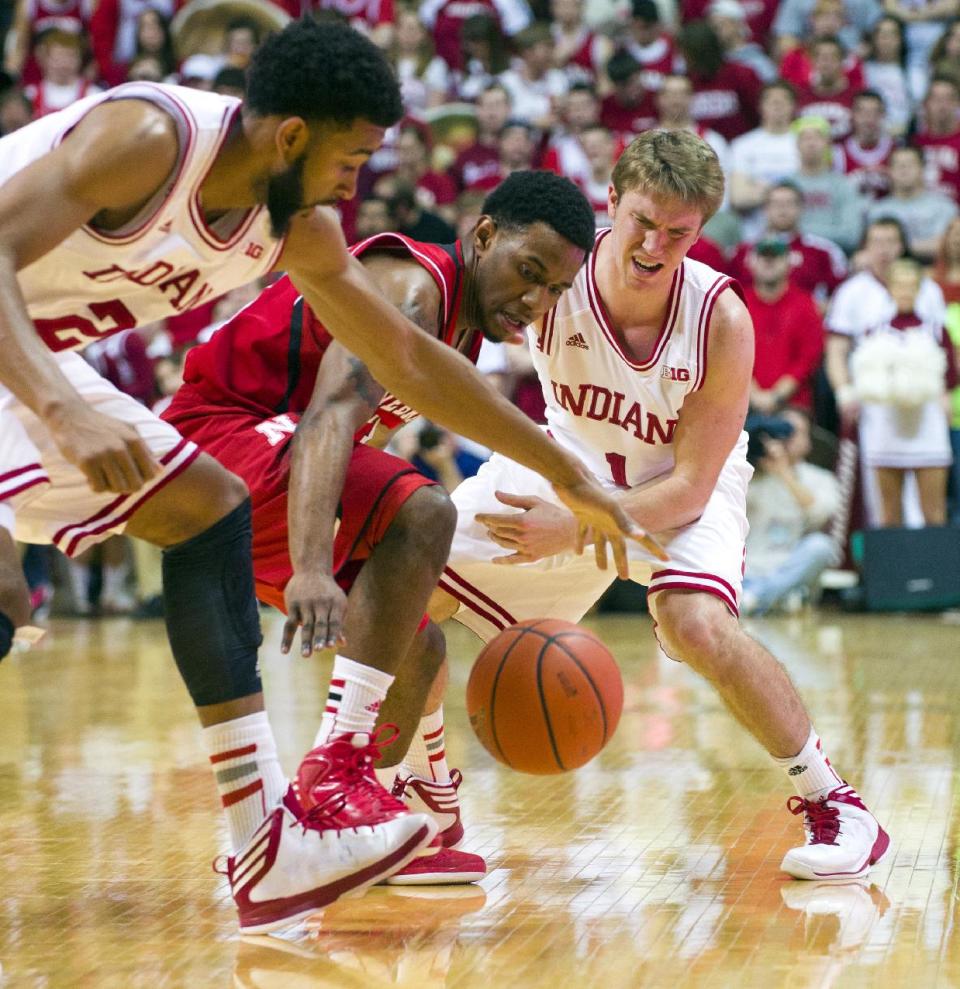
x=364 y=383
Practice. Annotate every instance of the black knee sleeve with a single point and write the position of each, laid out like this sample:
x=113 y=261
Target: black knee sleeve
x=211 y=611
x=6 y=635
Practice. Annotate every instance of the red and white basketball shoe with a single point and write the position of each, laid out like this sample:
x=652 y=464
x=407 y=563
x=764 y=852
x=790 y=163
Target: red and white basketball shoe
x=440 y=800
x=446 y=867
x=298 y=861
x=843 y=838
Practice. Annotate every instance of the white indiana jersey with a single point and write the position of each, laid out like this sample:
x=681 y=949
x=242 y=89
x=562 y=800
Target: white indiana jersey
x=616 y=414
x=163 y=262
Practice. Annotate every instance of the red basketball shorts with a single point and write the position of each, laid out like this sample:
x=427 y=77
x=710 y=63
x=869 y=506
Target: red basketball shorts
x=376 y=486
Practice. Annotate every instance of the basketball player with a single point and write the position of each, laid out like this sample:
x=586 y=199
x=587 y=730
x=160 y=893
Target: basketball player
x=145 y=201
x=645 y=366
x=300 y=419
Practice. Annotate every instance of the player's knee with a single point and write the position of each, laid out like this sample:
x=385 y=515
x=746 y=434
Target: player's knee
x=432 y=650
x=694 y=630
x=427 y=520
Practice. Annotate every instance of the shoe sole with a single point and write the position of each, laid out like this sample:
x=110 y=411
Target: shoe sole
x=879 y=849
x=366 y=877
x=435 y=879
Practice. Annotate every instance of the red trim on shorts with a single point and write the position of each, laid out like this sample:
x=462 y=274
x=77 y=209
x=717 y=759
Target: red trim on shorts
x=676 y=585
x=22 y=485
x=700 y=574
x=484 y=598
x=87 y=533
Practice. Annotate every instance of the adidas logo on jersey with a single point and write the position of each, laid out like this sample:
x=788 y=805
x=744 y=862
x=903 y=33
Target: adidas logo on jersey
x=577 y=341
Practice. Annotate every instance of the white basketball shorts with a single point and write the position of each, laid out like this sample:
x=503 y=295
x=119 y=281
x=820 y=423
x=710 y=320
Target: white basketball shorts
x=46 y=499
x=706 y=555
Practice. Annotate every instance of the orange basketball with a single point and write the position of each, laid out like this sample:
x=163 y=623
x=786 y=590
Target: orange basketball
x=544 y=696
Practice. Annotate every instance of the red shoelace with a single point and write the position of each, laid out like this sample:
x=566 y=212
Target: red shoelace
x=822 y=820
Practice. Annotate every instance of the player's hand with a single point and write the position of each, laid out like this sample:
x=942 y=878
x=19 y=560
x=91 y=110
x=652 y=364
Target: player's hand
x=317 y=605
x=540 y=530
x=603 y=520
x=112 y=454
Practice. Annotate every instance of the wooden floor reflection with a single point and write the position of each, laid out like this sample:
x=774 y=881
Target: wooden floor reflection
x=654 y=866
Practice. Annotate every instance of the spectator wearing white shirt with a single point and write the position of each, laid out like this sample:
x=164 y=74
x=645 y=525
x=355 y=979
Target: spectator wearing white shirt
x=534 y=85
x=764 y=156
x=863 y=301
x=885 y=71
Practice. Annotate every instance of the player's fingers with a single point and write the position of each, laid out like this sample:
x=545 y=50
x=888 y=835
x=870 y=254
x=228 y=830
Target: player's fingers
x=514 y=558
x=505 y=541
x=147 y=465
x=95 y=477
x=516 y=501
x=334 y=627
x=308 y=620
x=620 y=560
x=583 y=534
x=290 y=627
x=654 y=548
x=119 y=473
x=600 y=550
x=500 y=523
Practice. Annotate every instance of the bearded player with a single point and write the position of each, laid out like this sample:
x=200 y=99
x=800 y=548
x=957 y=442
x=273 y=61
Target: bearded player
x=645 y=366
x=142 y=202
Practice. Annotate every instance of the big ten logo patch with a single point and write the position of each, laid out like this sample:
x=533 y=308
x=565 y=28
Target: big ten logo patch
x=675 y=373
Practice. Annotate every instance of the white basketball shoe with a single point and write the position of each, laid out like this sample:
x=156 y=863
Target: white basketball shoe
x=843 y=838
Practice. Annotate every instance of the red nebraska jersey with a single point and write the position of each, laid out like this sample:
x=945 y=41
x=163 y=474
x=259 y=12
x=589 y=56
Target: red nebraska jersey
x=942 y=156
x=728 y=102
x=266 y=358
x=626 y=121
x=835 y=108
x=866 y=166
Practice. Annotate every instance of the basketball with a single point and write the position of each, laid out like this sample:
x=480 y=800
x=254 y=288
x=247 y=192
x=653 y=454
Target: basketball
x=544 y=696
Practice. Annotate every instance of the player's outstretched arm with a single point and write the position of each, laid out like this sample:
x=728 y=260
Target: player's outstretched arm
x=710 y=422
x=344 y=397
x=431 y=377
x=113 y=160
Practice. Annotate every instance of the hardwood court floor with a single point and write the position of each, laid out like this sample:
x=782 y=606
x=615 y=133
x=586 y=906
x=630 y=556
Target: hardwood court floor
x=654 y=866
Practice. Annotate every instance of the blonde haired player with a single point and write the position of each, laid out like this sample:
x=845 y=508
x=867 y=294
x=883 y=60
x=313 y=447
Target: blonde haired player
x=645 y=365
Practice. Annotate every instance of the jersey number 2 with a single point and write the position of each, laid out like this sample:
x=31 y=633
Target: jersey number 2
x=71 y=331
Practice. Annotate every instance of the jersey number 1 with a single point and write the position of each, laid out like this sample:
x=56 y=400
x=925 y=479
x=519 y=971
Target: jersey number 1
x=618 y=469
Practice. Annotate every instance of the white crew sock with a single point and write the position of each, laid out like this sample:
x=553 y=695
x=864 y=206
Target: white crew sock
x=243 y=755
x=427 y=756
x=115 y=581
x=810 y=770
x=353 y=703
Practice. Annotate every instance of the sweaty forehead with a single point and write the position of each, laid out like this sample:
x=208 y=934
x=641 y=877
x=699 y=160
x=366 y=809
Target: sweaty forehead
x=662 y=209
x=539 y=242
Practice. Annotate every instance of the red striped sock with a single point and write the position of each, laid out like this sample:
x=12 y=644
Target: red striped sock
x=354 y=699
x=427 y=755
x=243 y=755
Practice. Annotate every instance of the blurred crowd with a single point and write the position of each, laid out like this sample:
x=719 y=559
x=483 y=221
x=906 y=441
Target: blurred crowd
x=837 y=123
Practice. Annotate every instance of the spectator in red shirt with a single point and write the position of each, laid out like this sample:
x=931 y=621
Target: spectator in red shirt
x=865 y=154
x=630 y=108
x=601 y=148
x=940 y=137
x=435 y=191
x=647 y=43
x=707 y=252
x=817 y=265
x=760 y=14
x=827 y=20
x=577 y=49
x=517 y=149
x=788 y=332
x=482 y=158
x=829 y=93
x=726 y=94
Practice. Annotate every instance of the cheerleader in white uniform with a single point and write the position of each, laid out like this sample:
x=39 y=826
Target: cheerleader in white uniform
x=902 y=373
